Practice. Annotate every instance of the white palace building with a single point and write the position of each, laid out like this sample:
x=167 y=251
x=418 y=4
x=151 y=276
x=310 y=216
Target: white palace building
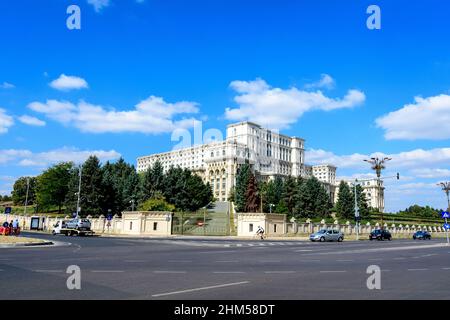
x=269 y=154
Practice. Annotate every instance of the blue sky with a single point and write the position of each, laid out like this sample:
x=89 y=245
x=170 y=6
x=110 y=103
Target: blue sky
x=137 y=70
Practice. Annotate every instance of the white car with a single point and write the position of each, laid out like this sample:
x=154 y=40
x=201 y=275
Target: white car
x=327 y=235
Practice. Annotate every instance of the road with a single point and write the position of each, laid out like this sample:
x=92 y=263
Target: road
x=185 y=269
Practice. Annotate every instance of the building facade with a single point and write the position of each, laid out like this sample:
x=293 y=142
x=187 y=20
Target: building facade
x=374 y=194
x=269 y=154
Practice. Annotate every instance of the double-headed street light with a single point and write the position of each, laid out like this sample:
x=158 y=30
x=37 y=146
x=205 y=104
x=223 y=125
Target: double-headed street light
x=378 y=166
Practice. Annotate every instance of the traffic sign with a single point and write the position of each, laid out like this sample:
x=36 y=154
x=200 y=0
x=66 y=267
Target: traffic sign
x=445 y=215
x=446 y=226
x=74 y=214
x=109 y=217
x=8 y=210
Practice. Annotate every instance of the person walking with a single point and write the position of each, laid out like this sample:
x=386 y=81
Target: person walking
x=260 y=232
x=10 y=228
x=15 y=226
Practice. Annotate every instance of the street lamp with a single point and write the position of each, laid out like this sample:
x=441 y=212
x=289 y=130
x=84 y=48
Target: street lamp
x=79 y=191
x=446 y=188
x=270 y=206
x=26 y=197
x=132 y=204
x=378 y=166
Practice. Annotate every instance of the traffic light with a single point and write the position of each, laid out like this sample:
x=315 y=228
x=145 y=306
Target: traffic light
x=398 y=176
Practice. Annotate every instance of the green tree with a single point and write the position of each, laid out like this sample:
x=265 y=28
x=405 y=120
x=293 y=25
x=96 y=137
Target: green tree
x=53 y=186
x=363 y=205
x=312 y=200
x=20 y=191
x=157 y=203
x=252 y=203
x=242 y=180
x=345 y=206
x=153 y=181
x=289 y=194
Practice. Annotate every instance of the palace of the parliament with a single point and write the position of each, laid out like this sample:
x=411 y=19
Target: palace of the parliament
x=269 y=154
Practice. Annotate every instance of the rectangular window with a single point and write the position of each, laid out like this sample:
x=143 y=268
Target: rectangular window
x=275 y=228
x=155 y=226
x=250 y=227
x=131 y=225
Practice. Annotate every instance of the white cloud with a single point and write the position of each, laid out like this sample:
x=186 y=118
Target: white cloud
x=326 y=81
x=427 y=118
x=151 y=116
x=43 y=159
x=429 y=173
x=66 y=83
x=98 y=4
x=6 y=85
x=32 y=121
x=279 y=108
x=5 y=121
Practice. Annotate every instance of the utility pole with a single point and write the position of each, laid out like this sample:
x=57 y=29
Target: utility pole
x=26 y=197
x=446 y=188
x=79 y=192
x=132 y=205
x=356 y=211
x=378 y=165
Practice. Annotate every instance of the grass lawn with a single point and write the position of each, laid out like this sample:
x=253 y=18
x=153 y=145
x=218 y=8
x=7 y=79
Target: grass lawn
x=13 y=239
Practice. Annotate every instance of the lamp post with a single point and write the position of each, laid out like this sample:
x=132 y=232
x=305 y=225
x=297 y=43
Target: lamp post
x=26 y=196
x=132 y=205
x=446 y=188
x=356 y=211
x=79 y=191
x=378 y=166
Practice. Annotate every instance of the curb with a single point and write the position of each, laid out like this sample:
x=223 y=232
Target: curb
x=26 y=244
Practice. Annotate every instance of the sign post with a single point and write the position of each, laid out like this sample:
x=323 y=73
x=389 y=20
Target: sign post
x=446 y=215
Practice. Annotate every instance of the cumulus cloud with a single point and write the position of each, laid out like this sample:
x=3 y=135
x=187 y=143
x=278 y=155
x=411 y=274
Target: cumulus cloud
x=151 y=116
x=99 y=4
x=6 y=121
x=326 y=81
x=6 y=85
x=66 y=83
x=31 y=121
x=28 y=158
x=427 y=118
x=279 y=108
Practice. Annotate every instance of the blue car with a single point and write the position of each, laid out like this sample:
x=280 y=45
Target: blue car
x=421 y=235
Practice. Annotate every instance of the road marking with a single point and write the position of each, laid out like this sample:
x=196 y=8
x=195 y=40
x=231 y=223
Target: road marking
x=303 y=250
x=226 y=272
x=226 y=261
x=309 y=260
x=385 y=270
x=445 y=268
x=344 y=260
x=164 y=271
x=423 y=269
x=377 y=259
x=279 y=272
x=134 y=261
x=224 y=251
x=202 y=288
x=269 y=261
x=107 y=271
x=50 y=271
x=180 y=261
x=399 y=258
x=333 y=271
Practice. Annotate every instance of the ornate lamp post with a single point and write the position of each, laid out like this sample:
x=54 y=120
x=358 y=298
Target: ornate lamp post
x=446 y=188
x=378 y=166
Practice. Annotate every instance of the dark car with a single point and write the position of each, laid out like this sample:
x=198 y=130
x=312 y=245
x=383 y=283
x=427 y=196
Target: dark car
x=421 y=235
x=380 y=235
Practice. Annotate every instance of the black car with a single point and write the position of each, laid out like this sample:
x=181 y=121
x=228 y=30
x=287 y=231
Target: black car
x=380 y=235
x=421 y=235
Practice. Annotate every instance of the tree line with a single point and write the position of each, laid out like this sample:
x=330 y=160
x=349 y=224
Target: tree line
x=112 y=188
x=296 y=197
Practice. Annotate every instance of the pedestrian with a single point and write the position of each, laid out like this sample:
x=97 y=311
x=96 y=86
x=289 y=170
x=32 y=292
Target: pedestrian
x=10 y=228
x=5 y=228
x=16 y=227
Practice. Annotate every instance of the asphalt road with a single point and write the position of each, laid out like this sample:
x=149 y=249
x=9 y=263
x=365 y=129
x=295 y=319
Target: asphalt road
x=184 y=269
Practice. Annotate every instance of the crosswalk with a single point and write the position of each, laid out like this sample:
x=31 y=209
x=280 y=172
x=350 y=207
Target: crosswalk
x=229 y=244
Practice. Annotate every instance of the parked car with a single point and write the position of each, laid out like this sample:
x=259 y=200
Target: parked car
x=327 y=235
x=422 y=235
x=78 y=224
x=380 y=235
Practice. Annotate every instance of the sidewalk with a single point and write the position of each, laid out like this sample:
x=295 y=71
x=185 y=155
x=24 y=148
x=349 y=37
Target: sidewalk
x=13 y=242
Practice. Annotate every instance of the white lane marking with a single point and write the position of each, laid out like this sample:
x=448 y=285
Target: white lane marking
x=420 y=269
x=226 y=261
x=399 y=259
x=333 y=271
x=202 y=288
x=180 y=261
x=224 y=251
x=50 y=271
x=239 y=245
x=131 y=261
x=445 y=268
x=376 y=259
x=309 y=260
x=431 y=246
x=107 y=271
x=345 y=260
x=303 y=250
x=269 y=261
x=279 y=272
x=226 y=272
x=165 y=271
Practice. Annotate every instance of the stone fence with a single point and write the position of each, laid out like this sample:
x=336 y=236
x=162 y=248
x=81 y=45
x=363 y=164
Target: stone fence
x=349 y=229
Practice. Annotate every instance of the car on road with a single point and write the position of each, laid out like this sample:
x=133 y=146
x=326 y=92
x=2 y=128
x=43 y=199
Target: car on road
x=327 y=235
x=78 y=224
x=380 y=234
x=421 y=235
